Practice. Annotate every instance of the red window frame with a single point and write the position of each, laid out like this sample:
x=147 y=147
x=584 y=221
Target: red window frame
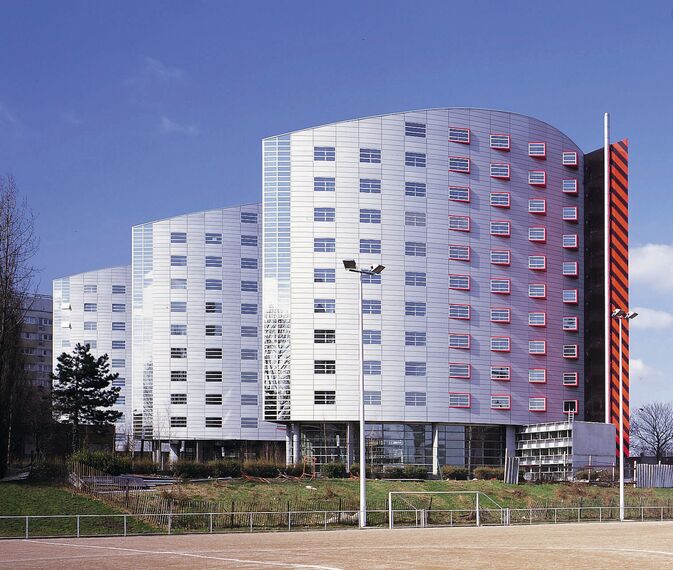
x=574 y=219
x=574 y=191
x=469 y=371
x=538 y=353
x=574 y=163
x=577 y=241
x=537 y=285
x=469 y=311
x=536 y=240
x=469 y=341
x=469 y=194
x=542 y=156
x=469 y=252
x=469 y=282
x=509 y=257
x=509 y=374
x=509 y=286
x=537 y=381
x=457 y=169
x=577 y=323
x=490 y=314
x=509 y=399
x=577 y=351
x=509 y=200
x=543 y=268
x=509 y=228
x=577 y=295
x=568 y=411
x=542 y=184
x=469 y=400
x=509 y=344
x=464 y=129
x=500 y=176
x=544 y=399
x=543 y=212
x=502 y=148
x=469 y=223
x=577 y=379
x=537 y=312
x=576 y=271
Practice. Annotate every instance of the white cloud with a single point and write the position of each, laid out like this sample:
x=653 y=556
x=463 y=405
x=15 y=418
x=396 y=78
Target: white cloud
x=638 y=369
x=652 y=319
x=168 y=127
x=161 y=71
x=652 y=264
x=7 y=117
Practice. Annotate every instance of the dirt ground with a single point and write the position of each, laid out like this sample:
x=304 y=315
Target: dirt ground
x=588 y=545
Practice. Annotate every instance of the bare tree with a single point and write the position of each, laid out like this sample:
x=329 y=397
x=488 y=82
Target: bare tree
x=18 y=245
x=652 y=429
x=276 y=365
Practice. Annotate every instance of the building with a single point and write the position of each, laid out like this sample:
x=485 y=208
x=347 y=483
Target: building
x=94 y=308
x=197 y=336
x=36 y=340
x=477 y=324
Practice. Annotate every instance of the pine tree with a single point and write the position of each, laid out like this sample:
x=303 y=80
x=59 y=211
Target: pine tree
x=82 y=391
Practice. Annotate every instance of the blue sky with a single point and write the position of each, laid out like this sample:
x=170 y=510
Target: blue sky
x=116 y=113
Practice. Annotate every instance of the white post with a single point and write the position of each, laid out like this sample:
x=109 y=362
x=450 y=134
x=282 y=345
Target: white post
x=390 y=511
x=435 y=449
x=363 y=459
x=606 y=262
x=621 y=429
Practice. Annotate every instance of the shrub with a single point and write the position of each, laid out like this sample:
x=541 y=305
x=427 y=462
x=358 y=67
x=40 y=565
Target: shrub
x=144 y=467
x=335 y=470
x=603 y=475
x=105 y=461
x=375 y=472
x=395 y=472
x=295 y=470
x=489 y=472
x=455 y=473
x=226 y=468
x=415 y=472
x=262 y=469
x=192 y=469
x=48 y=471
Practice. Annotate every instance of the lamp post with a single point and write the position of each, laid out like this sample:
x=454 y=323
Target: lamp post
x=621 y=315
x=351 y=265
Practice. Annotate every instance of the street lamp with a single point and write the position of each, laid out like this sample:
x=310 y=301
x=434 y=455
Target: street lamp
x=621 y=315
x=351 y=265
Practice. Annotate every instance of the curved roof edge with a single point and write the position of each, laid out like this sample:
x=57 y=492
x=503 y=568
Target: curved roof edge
x=420 y=111
x=127 y=266
x=196 y=212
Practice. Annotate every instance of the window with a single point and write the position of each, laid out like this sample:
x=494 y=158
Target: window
x=537 y=375
x=248 y=354
x=178 y=330
x=537 y=206
x=460 y=341
x=459 y=223
x=570 y=241
x=501 y=315
x=324 y=214
x=213 y=399
x=570 y=296
x=214 y=353
x=414 y=309
x=248 y=308
x=414 y=248
x=372 y=398
x=118 y=289
x=459 y=164
x=500 y=344
x=537 y=291
x=501 y=228
x=324 y=306
x=178 y=307
x=249 y=286
x=370 y=278
x=500 y=257
x=570 y=268
x=178 y=375
x=537 y=177
x=90 y=343
x=324 y=397
x=500 y=286
x=370 y=246
x=90 y=325
x=570 y=158
x=414 y=219
x=537 y=234
x=414 y=398
x=570 y=351
x=414 y=130
x=324 y=275
x=213 y=261
x=571 y=379
x=459 y=400
x=213 y=376
x=370 y=216
x=416 y=189
x=213 y=330
x=324 y=245
x=249 y=217
x=213 y=284
x=499 y=170
x=570 y=186
x=537 y=149
x=249 y=423
x=178 y=421
x=414 y=368
x=459 y=193
x=570 y=214
x=570 y=324
x=324 y=184
x=324 y=367
x=90 y=307
x=371 y=155
x=178 y=237
x=371 y=367
x=178 y=353
x=371 y=337
x=501 y=402
x=412 y=338
x=371 y=307
x=213 y=422
x=118 y=363
x=90 y=288
x=499 y=199
x=459 y=282
x=249 y=240
x=461 y=312
x=501 y=373
x=213 y=307
x=324 y=336
x=537 y=262
x=178 y=261
x=248 y=377
x=459 y=252
x=499 y=142
x=537 y=347
x=370 y=186
x=178 y=284
x=118 y=307
x=213 y=239
x=537 y=319
x=459 y=370
x=247 y=332
x=324 y=153
x=414 y=159
x=414 y=279
x=537 y=404
x=569 y=406
x=459 y=135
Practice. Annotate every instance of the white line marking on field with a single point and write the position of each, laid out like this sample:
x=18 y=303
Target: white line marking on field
x=190 y=555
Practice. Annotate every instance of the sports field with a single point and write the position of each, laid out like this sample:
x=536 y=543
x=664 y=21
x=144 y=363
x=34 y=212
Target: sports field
x=607 y=545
